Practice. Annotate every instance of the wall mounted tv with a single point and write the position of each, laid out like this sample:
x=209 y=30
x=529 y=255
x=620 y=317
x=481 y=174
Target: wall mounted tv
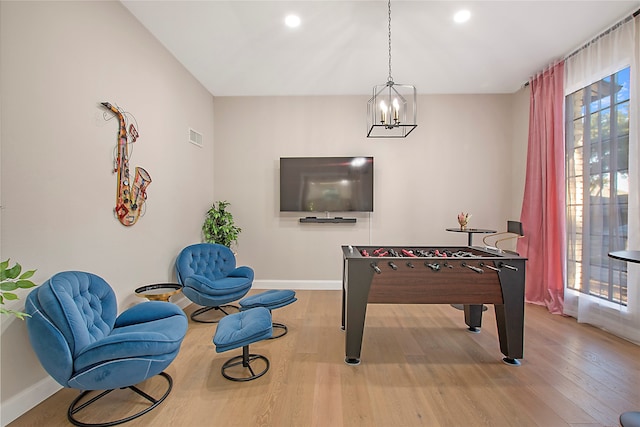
x=326 y=184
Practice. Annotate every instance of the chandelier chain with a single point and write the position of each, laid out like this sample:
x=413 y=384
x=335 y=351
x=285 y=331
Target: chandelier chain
x=389 y=8
x=392 y=110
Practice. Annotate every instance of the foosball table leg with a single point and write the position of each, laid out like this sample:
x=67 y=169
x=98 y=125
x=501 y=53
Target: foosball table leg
x=473 y=317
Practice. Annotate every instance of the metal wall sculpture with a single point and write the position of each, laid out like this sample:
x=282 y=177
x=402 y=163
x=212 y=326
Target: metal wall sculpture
x=130 y=197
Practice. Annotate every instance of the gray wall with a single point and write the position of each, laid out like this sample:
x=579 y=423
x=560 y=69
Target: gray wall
x=58 y=61
x=467 y=154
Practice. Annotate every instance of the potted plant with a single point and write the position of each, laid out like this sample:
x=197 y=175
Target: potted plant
x=10 y=280
x=218 y=225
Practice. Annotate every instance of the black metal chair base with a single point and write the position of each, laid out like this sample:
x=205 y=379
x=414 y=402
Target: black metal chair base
x=245 y=360
x=74 y=408
x=283 y=330
x=194 y=316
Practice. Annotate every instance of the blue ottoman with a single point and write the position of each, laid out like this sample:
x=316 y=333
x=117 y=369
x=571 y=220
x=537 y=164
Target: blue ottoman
x=239 y=330
x=270 y=300
x=630 y=419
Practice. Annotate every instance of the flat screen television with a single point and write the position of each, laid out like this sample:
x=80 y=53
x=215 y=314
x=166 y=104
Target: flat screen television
x=326 y=184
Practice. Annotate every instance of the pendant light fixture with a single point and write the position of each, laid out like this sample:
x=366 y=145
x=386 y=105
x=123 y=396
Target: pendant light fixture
x=392 y=110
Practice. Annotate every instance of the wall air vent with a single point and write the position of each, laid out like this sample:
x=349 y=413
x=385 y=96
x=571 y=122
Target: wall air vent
x=195 y=137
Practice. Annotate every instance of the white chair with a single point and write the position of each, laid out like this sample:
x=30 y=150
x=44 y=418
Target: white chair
x=496 y=240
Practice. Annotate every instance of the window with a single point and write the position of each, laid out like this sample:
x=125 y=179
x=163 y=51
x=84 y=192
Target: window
x=597 y=174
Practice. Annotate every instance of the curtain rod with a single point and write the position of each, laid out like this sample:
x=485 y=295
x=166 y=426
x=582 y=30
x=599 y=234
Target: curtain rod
x=604 y=33
x=598 y=37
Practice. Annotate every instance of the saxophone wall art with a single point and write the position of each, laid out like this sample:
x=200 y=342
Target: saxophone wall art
x=130 y=197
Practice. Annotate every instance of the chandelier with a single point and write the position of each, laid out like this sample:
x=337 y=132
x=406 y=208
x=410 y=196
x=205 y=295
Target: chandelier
x=392 y=110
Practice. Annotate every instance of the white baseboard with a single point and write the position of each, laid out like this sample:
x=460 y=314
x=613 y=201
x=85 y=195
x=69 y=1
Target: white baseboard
x=17 y=405
x=302 y=285
x=306 y=285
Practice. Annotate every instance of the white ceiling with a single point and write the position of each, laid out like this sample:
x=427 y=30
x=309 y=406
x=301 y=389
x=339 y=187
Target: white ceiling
x=242 y=48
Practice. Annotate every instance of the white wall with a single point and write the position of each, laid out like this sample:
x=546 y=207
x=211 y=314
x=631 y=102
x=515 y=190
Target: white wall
x=59 y=60
x=459 y=158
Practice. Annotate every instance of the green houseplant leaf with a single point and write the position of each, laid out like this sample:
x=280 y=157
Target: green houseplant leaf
x=10 y=280
x=219 y=226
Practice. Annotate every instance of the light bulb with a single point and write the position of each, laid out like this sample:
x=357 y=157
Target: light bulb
x=383 y=112
x=396 y=109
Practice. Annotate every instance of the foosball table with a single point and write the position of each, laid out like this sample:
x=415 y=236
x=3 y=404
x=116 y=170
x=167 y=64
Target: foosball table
x=469 y=276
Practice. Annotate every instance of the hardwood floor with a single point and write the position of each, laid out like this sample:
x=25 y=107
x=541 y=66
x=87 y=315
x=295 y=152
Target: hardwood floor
x=420 y=367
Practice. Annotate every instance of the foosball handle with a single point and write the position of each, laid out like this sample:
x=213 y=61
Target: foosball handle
x=376 y=268
x=392 y=265
x=510 y=267
x=490 y=267
x=434 y=267
x=476 y=269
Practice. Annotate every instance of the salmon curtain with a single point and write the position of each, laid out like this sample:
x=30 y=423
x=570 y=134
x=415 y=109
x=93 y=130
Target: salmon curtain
x=543 y=206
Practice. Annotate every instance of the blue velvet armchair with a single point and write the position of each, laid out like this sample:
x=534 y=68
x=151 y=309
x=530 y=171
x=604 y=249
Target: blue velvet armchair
x=210 y=278
x=83 y=344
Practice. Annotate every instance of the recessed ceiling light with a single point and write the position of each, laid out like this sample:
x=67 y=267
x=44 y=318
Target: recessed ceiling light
x=292 y=21
x=462 y=16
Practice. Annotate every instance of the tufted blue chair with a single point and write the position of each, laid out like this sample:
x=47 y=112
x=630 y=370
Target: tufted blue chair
x=82 y=342
x=210 y=278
